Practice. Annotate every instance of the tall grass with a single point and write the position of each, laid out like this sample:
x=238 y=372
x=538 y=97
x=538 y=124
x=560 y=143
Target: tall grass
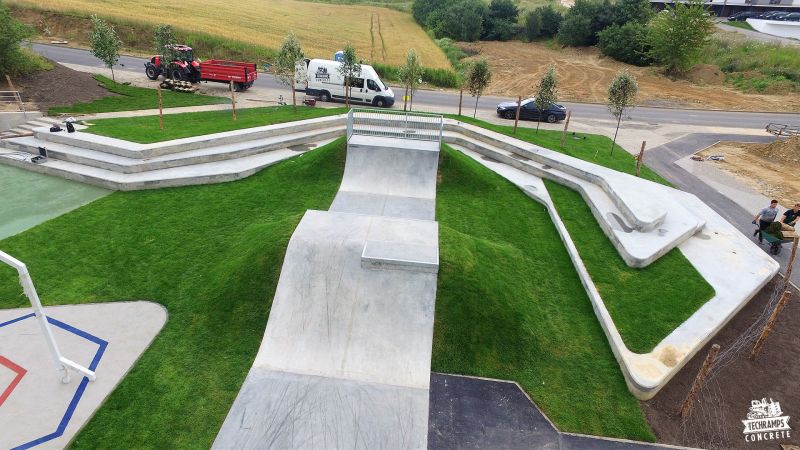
x=445 y=78
x=755 y=66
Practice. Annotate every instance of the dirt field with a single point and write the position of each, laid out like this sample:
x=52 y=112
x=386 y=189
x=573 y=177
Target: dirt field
x=766 y=168
x=716 y=420
x=381 y=33
x=584 y=75
x=58 y=87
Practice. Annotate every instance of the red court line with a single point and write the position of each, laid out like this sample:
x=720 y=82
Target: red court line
x=16 y=369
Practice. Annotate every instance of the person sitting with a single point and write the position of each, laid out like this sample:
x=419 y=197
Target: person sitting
x=791 y=216
x=765 y=217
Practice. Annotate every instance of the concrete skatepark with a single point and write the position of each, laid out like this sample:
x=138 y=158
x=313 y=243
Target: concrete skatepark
x=351 y=322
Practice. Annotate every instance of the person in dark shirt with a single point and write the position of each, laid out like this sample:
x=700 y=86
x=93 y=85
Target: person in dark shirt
x=791 y=216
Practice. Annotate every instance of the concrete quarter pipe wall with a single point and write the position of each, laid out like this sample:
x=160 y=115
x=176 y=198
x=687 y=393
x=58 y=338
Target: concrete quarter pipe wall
x=345 y=359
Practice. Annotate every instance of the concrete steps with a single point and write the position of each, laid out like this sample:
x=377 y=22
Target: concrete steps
x=26 y=129
x=638 y=248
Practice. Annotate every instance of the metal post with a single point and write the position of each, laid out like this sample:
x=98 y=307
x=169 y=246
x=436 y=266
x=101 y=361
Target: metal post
x=60 y=361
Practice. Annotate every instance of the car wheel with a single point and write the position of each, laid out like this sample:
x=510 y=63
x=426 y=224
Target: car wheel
x=509 y=114
x=151 y=73
x=551 y=118
x=379 y=102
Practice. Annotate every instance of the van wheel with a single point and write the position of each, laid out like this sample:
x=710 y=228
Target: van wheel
x=324 y=96
x=379 y=102
x=551 y=118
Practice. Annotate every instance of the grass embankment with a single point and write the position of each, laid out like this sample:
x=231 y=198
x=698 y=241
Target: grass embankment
x=146 y=130
x=131 y=98
x=645 y=304
x=210 y=254
x=738 y=24
x=755 y=66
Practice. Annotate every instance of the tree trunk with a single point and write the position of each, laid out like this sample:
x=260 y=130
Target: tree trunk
x=538 y=121
x=405 y=99
x=460 y=95
x=615 y=134
x=474 y=113
x=294 y=97
x=411 y=102
x=112 y=74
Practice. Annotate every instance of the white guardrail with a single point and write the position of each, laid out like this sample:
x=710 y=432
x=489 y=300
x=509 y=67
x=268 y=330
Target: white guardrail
x=395 y=124
x=25 y=280
x=13 y=98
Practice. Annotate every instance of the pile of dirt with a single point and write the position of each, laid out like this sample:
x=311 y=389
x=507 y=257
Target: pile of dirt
x=706 y=74
x=60 y=86
x=781 y=150
x=716 y=419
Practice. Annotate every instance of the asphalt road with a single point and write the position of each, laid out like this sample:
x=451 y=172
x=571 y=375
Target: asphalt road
x=449 y=99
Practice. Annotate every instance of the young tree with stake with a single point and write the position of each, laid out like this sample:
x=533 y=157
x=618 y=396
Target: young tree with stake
x=164 y=40
x=285 y=68
x=349 y=68
x=410 y=75
x=546 y=93
x=478 y=77
x=105 y=43
x=621 y=96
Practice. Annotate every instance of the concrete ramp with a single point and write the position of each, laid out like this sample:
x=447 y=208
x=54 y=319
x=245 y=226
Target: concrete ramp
x=345 y=359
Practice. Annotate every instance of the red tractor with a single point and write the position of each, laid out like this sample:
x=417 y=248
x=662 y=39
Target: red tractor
x=184 y=67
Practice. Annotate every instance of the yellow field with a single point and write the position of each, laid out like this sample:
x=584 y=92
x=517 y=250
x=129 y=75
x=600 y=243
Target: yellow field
x=379 y=34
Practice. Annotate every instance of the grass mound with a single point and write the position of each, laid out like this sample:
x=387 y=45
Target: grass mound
x=146 y=130
x=132 y=98
x=510 y=305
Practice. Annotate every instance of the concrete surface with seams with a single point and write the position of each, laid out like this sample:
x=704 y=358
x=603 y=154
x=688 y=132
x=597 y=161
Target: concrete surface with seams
x=345 y=358
x=734 y=266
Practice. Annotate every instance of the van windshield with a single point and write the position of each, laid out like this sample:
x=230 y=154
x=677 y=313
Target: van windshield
x=380 y=84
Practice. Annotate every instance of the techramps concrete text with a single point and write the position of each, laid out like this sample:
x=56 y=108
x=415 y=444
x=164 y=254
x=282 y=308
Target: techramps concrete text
x=345 y=359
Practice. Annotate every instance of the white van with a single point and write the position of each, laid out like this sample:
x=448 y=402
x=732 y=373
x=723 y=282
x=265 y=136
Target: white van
x=322 y=79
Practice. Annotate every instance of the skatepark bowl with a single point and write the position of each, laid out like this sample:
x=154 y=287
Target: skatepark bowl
x=28 y=198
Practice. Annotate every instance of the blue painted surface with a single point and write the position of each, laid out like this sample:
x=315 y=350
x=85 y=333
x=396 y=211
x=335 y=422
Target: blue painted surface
x=101 y=348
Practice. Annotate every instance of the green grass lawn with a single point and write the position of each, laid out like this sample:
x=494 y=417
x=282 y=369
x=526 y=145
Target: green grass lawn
x=130 y=98
x=145 y=129
x=646 y=304
x=737 y=24
x=510 y=305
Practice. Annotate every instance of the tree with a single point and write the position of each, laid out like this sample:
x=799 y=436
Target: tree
x=462 y=20
x=410 y=75
x=105 y=43
x=543 y=21
x=12 y=33
x=349 y=68
x=500 y=23
x=478 y=77
x=285 y=67
x=164 y=40
x=627 y=43
x=546 y=92
x=621 y=96
x=532 y=27
x=584 y=20
x=678 y=34
x=638 y=11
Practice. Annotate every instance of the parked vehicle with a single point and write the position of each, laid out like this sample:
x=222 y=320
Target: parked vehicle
x=742 y=16
x=552 y=114
x=185 y=68
x=791 y=17
x=321 y=78
x=770 y=15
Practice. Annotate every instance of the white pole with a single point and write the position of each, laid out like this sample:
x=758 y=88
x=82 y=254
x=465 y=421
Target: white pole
x=60 y=361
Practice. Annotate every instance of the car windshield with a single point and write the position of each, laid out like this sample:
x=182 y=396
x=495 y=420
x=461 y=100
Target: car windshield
x=526 y=101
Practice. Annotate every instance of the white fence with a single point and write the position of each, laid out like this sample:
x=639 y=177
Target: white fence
x=12 y=98
x=395 y=124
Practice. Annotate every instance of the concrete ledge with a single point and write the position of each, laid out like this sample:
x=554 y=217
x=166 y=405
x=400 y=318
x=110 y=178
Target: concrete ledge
x=400 y=256
x=12 y=119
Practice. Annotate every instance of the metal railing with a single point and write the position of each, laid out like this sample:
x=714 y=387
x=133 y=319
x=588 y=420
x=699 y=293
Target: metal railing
x=779 y=129
x=13 y=98
x=61 y=362
x=395 y=124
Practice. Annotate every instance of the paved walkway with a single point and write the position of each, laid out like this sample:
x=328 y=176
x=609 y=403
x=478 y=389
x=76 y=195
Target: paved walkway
x=663 y=160
x=763 y=37
x=467 y=412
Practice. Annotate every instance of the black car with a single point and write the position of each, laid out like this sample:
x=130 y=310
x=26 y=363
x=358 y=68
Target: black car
x=552 y=114
x=742 y=16
x=791 y=17
x=770 y=15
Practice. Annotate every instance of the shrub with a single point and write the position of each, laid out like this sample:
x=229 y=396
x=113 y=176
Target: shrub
x=500 y=24
x=678 y=35
x=543 y=21
x=533 y=25
x=637 y=11
x=584 y=20
x=627 y=43
x=12 y=59
x=462 y=20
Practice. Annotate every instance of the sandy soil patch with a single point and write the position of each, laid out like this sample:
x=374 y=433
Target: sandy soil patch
x=766 y=168
x=584 y=75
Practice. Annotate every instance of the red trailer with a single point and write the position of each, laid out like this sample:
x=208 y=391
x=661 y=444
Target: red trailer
x=184 y=67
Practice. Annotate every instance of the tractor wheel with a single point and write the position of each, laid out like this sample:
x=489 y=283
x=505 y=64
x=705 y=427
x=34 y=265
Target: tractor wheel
x=509 y=114
x=151 y=73
x=177 y=74
x=324 y=96
x=551 y=118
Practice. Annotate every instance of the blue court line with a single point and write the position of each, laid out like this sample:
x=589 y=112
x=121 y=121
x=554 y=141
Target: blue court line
x=62 y=426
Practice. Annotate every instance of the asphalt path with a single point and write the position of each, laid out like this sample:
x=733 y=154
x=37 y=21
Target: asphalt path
x=449 y=99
